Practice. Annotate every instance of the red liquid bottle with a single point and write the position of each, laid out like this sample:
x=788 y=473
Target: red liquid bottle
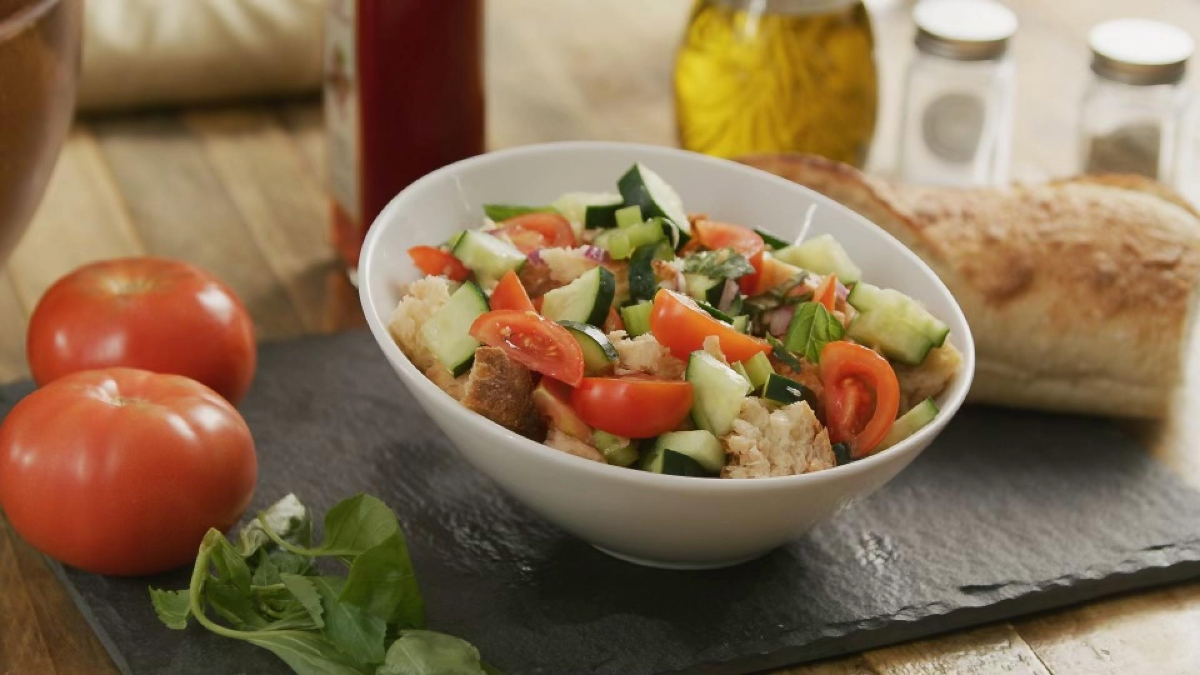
x=403 y=96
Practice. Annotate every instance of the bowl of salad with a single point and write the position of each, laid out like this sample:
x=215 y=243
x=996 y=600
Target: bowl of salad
x=679 y=359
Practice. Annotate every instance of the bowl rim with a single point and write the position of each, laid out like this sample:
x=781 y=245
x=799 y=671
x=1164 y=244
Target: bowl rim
x=963 y=338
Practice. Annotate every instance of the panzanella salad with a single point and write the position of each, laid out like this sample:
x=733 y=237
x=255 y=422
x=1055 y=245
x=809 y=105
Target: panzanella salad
x=620 y=329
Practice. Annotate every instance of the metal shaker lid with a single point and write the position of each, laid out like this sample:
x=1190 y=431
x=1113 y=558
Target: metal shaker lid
x=1140 y=51
x=964 y=30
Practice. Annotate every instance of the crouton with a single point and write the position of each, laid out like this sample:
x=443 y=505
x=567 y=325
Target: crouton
x=644 y=354
x=441 y=376
x=573 y=446
x=564 y=265
x=785 y=442
x=499 y=389
x=422 y=299
x=929 y=379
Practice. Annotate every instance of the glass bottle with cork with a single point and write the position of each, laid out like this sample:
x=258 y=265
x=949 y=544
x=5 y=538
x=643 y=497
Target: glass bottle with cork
x=403 y=96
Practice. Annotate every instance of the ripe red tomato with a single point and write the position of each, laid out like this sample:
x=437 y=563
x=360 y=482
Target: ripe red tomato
x=122 y=471
x=679 y=324
x=510 y=294
x=532 y=231
x=433 y=260
x=632 y=407
x=749 y=243
x=150 y=313
x=862 y=396
x=536 y=343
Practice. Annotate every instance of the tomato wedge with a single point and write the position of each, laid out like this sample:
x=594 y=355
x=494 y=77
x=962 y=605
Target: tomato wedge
x=613 y=322
x=678 y=323
x=862 y=396
x=433 y=260
x=510 y=294
x=531 y=231
x=717 y=236
x=536 y=343
x=552 y=400
x=773 y=273
x=632 y=407
x=826 y=293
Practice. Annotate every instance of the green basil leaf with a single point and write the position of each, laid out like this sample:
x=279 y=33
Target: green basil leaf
x=499 y=212
x=383 y=584
x=355 y=633
x=722 y=264
x=811 y=329
x=287 y=517
x=172 y=607
x=307 y=653
x=272 y=566
x=422 y=652
x=356 y=524
x=229 y=591
x=303 y=589
x=781 y=353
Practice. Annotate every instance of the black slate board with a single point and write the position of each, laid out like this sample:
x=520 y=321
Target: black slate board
x=1008 y=513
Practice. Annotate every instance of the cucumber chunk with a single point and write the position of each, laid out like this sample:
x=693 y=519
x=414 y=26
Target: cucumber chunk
x=895 y=323
x=909 y=423
x=648 y=232
x=585 y=300
x=741 y=323
x=759 y=370
x=741 y=370
x=599 y=355
x=700 y=445
x=785 y=390
x=488 y=256
x=642 y=282
x=502 y=212
x=823 y=255
x=637 y=318
x=591 y=210
x=672 y=463
x=648 y=190
x=616 y=450
x=629 y=215
x=447 y=332
x=616 y=242
x=717 y=392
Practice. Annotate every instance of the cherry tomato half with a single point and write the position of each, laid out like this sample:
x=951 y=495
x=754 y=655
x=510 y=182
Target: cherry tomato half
x=826 y=293
x=531 y=231
x=435 y=261
x=717 y=236
x=151 y=313
x=510 y=294
x=632 y=407
x=678 y=323
x=852 y=376
x=122 y=471
x=536 y=343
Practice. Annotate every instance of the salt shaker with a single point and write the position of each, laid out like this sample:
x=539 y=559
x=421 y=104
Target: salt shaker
x=1132 y=115
x=958 y=107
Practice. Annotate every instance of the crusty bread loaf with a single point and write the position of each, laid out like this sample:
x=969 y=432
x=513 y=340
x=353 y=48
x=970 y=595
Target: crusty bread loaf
x=1080 y=293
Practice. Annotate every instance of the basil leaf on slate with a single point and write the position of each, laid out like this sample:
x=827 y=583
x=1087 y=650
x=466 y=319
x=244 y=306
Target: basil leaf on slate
x=305 y=592
x=811 y=329
x=383 y=584
x=287 y=517
x=355 y=633
x=172 y=607
x=422 y=652
x=307 y=653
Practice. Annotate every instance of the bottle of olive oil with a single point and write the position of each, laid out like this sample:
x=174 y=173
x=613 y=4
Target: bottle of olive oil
x=763 y=76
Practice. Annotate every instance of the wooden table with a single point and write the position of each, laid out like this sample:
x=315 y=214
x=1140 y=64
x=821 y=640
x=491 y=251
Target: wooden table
x=238 y=191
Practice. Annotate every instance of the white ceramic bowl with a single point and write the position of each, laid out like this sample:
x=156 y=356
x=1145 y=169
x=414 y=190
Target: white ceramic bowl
x=666 y=521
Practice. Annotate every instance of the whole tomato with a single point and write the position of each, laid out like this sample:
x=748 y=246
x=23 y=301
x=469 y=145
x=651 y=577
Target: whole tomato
x=122 y=471
x=150 y=313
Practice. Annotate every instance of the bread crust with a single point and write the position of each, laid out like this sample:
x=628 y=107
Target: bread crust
x=1080 y=293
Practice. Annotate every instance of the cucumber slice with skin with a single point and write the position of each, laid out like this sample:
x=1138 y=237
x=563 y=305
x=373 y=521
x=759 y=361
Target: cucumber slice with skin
x=488 y=256
x=903 y=329
x=672 y=463
x=591 y=210
x=758 y=369
x=502 y=212
x=823 y=255
x=700 y=445
x=447 y=332
x=772 y=241
x=717 y=392
x=616 y=450
x=714 y=312
x=909 y=423
x=637 y=318
x=642 y=282
x=648 y=190
x=585 y=300
x=787 y=391
x=599 y=355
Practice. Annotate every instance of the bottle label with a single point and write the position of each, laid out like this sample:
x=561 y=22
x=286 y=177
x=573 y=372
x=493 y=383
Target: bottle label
x=342 y=106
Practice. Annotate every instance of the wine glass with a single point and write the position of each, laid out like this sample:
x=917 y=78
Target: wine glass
x=39 y=70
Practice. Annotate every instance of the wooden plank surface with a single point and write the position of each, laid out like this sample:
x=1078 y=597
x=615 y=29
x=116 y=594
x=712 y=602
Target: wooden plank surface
x=237 y=190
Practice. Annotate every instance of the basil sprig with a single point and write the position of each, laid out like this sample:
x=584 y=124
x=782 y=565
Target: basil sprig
x=811 y=329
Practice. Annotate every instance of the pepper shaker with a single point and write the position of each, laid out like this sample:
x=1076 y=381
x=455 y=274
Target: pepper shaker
x=958 y=109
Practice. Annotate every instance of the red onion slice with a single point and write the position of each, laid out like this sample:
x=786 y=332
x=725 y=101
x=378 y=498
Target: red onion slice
x=780 y=319
x=727 y=295
x=595 y=253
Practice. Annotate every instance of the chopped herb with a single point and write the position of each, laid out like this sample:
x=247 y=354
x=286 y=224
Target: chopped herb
x=502 y=212
x=782 y=354
x=812 y=328
x=722 y=264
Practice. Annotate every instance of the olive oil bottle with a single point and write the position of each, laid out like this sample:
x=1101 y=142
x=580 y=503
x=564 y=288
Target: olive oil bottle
x=762 y=76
